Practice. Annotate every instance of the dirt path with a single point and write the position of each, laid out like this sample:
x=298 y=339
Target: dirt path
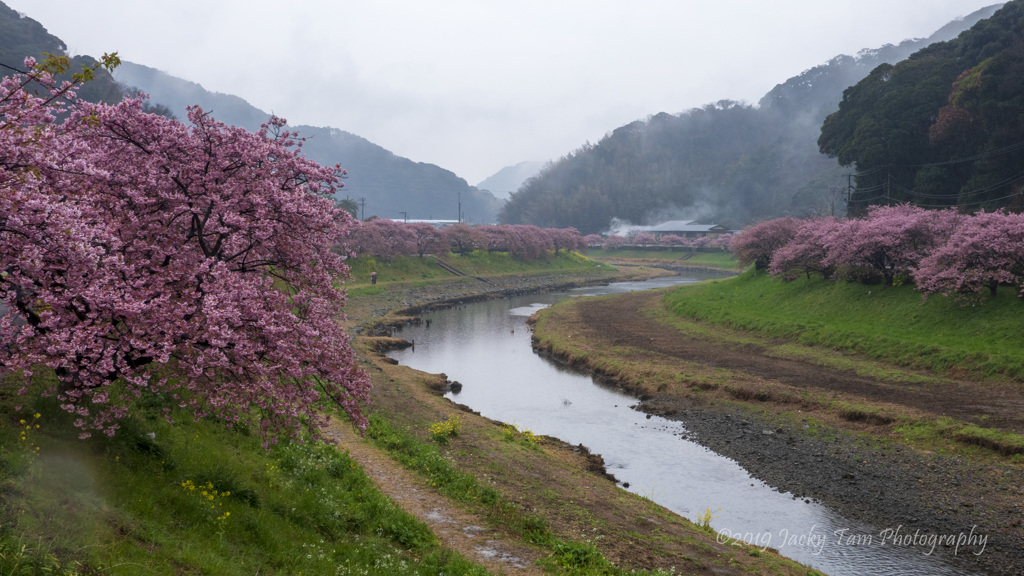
x=455 y=528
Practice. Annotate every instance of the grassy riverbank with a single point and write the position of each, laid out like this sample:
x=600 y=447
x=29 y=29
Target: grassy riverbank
x=193 y=498
x=197 y=498
x=924 y=356
x=879 y=405
x=716 y=260
x=479 y=263
x=533 y=490
x=892 y=324
x=938 y=339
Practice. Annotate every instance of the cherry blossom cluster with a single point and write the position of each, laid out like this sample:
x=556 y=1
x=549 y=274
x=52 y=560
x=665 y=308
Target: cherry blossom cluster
x=939 y=251
x=388 y=239
x=140 y=256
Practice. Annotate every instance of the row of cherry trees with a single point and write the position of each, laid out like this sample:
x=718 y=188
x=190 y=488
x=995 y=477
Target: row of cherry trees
x=939 y=251
x=143 y=257
x=643 y=240
x=389 y=239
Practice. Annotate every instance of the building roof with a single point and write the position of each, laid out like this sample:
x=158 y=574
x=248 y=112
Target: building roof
x=670 y=226
x=680 y=226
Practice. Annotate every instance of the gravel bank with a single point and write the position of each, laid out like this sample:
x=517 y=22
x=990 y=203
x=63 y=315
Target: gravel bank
x=885 y=485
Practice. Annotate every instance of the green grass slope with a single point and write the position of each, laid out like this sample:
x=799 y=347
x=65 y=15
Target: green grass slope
x=893 y=324
x=192 y=498
x=479 y=263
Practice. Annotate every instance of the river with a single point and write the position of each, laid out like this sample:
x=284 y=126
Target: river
x=486 y=347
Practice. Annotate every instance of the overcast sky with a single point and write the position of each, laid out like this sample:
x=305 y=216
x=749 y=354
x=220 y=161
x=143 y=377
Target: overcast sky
x=474 y=86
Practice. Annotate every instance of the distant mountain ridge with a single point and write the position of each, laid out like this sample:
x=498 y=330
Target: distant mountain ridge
x=726 y=162
x=388 y=185
x=510 y=178
x=178 y=94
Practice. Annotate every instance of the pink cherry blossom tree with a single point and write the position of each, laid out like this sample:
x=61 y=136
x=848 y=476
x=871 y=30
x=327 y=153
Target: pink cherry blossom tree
x=497 y=238
x=757 y=244
x=672 y=240
x=144 y=257
x=593 y=240
x=365 y=239
x=428 y=239
x=565 y=239
x=720 y=241
x=644 y=240
x=465 y=239
x=528 y=242
x=985 y=251
x=614 y=242
x=382 y=238
x=891 y=241
x=806 y=251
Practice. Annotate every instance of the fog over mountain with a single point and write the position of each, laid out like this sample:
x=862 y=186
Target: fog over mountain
x=510 y=178
x=728 y=162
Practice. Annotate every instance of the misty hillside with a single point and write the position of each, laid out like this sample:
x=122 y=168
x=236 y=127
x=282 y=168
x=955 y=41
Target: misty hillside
x=726 y=162
x=178 y=94
x=944 y=128
x=510 y=178
x=21 y=36
x=391 y=185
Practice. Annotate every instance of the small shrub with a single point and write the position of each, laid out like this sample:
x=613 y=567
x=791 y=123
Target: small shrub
x=704 y=520
x=209 y=497
x=573 y=557
x=441 y=431
x=520 y=434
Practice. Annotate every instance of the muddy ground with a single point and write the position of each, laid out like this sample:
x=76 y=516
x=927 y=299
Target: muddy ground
x=860 y=470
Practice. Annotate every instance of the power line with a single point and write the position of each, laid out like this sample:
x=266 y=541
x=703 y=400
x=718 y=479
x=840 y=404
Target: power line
x=922 y=195
x=990 y=154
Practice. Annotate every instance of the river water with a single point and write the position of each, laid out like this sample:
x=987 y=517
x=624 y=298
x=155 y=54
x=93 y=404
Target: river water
x=486 y=347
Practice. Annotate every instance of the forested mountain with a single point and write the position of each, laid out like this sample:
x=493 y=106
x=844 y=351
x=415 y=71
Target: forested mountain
x=21 y=37
x=728 y=162
x=510 y=178
x=392 y=186
x=942 y=128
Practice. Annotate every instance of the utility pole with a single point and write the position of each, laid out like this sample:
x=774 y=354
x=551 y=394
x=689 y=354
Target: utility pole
x=362 y=202
x=460 y=207
x=405 y=217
